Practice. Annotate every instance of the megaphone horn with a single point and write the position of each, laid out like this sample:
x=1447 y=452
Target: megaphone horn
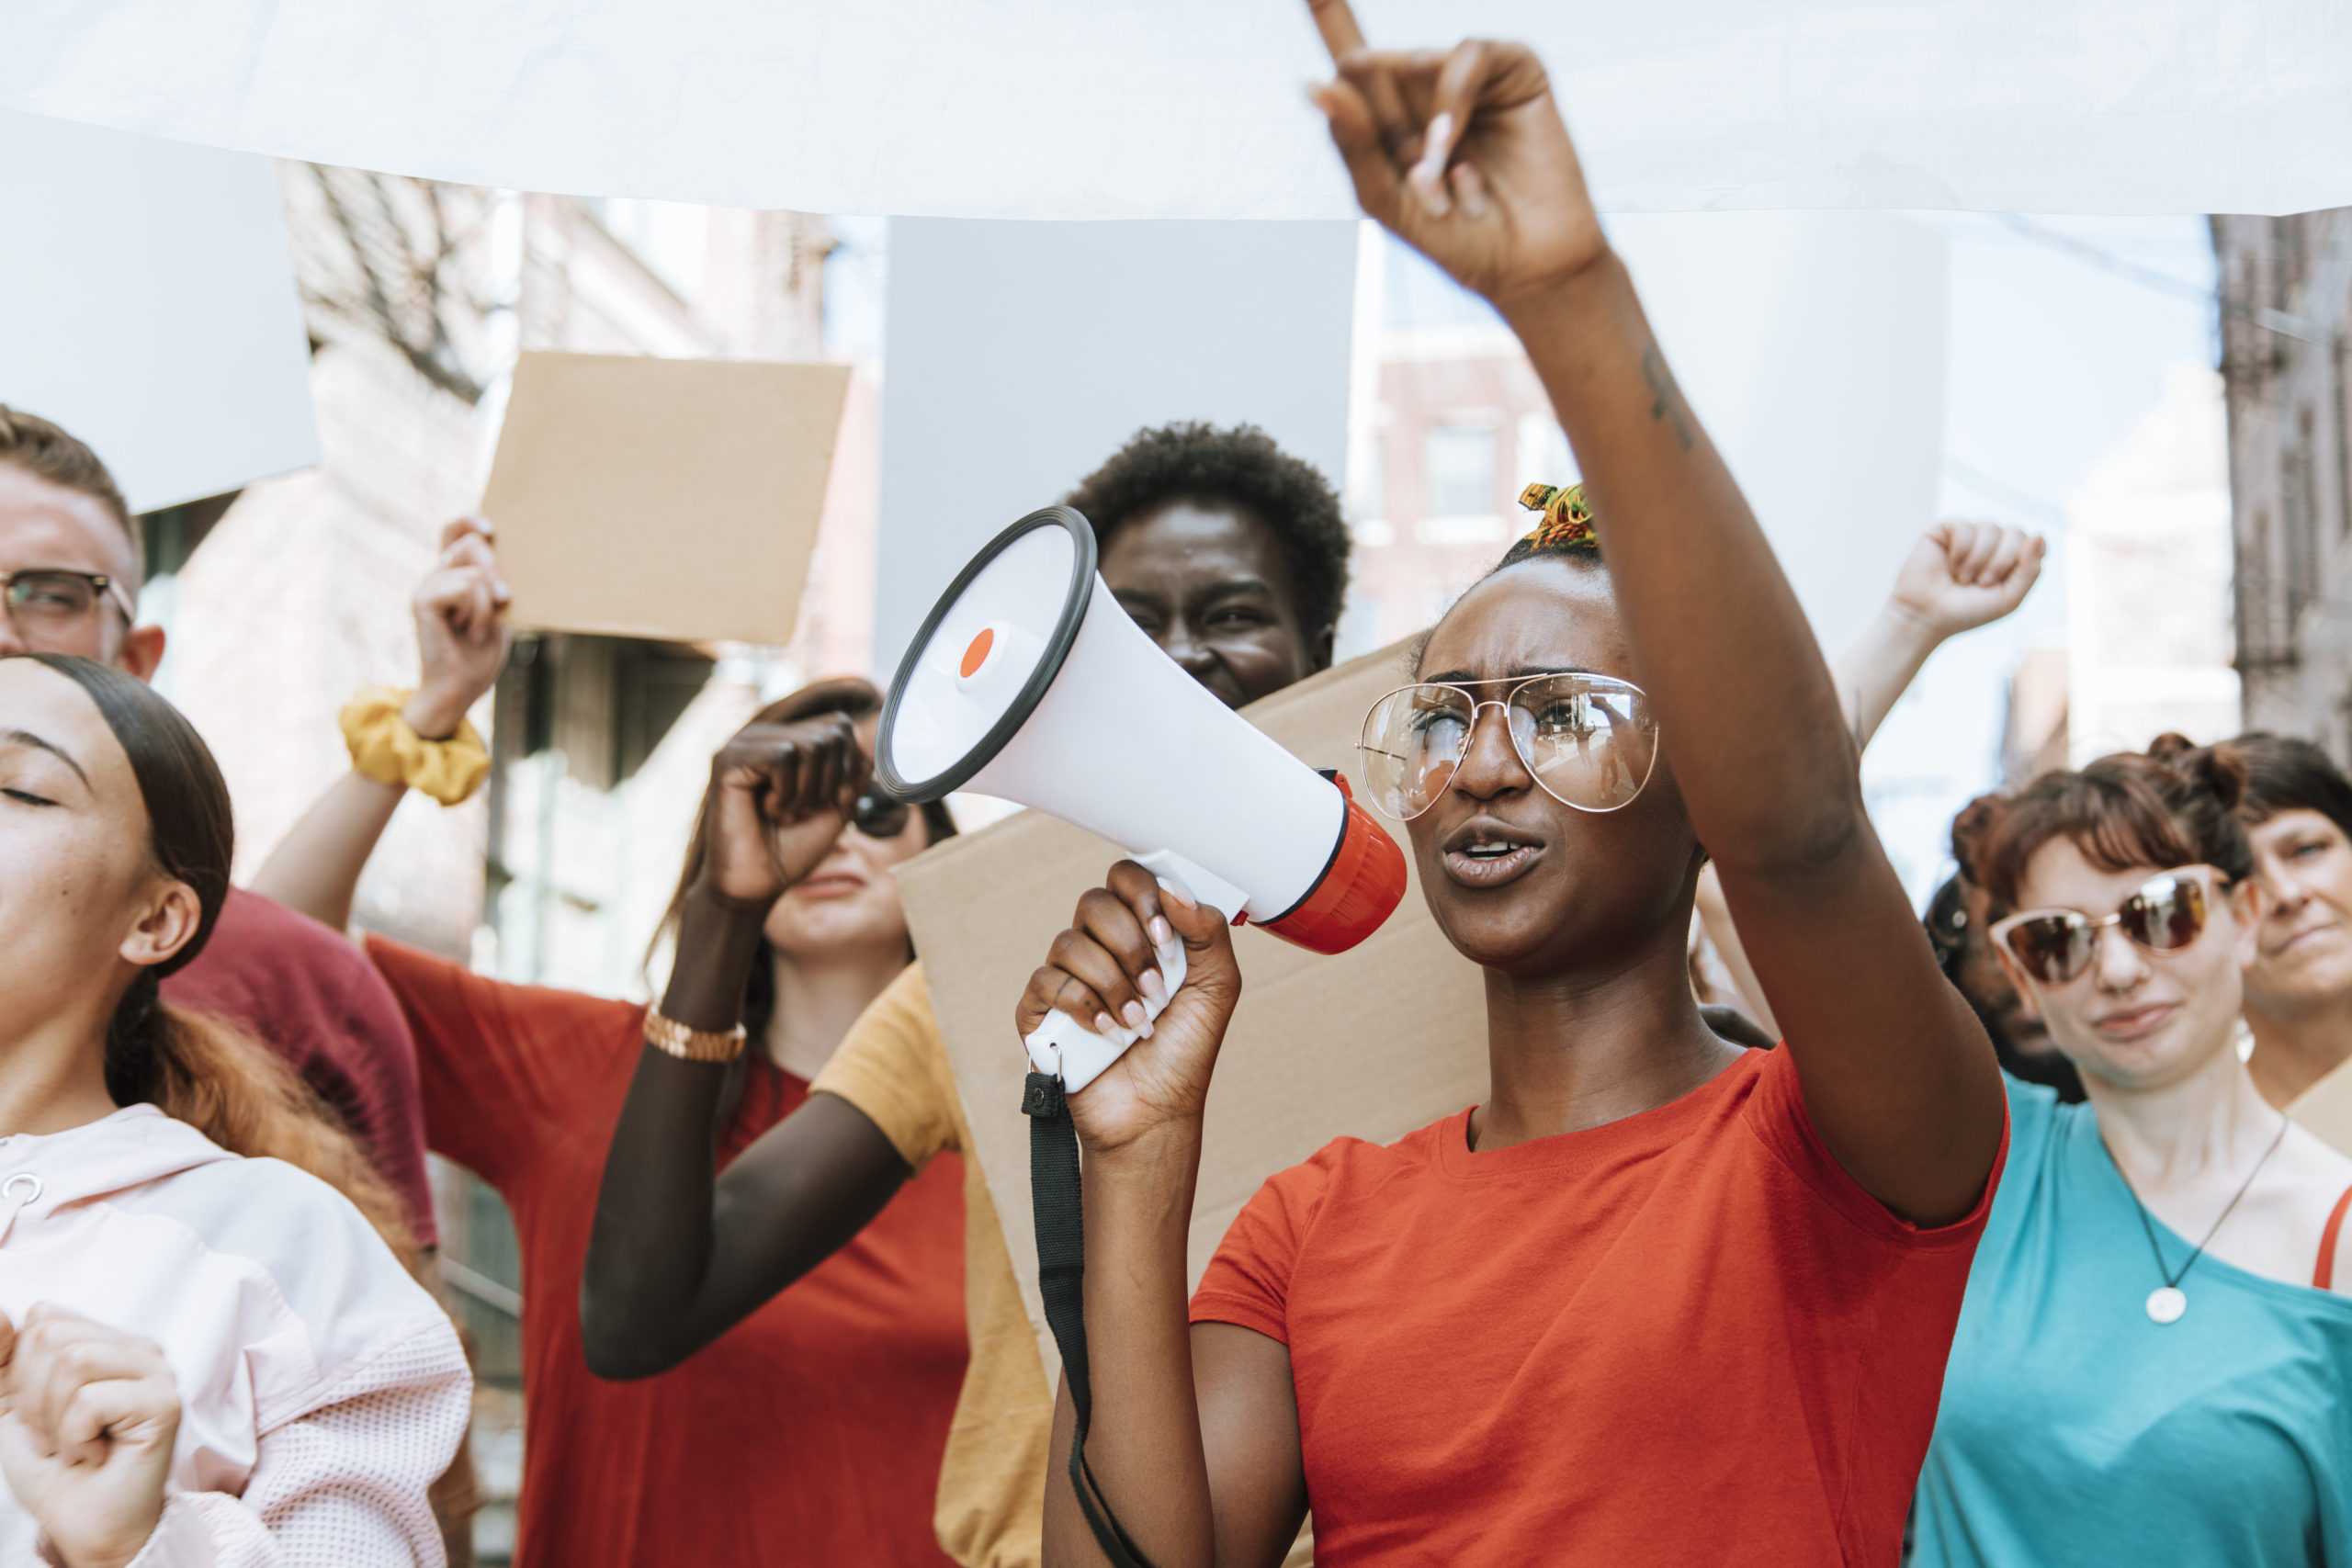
x=1029 y=682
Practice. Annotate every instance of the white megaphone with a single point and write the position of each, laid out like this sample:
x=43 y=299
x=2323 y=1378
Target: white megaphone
x=1030 y=682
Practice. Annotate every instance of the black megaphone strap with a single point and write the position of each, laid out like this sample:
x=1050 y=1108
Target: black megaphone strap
x=1060 y=1210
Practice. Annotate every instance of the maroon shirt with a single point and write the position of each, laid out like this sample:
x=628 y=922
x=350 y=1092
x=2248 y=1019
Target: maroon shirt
x=313 y=997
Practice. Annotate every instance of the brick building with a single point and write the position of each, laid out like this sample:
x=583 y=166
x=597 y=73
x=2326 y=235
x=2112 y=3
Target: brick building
x=2286 y=287
x=1456 y=426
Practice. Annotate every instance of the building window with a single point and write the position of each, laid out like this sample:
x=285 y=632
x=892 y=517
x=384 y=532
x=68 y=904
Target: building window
x=1458 y=471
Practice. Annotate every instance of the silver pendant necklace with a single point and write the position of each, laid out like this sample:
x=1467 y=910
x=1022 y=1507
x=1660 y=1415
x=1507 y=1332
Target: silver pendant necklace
x=2167 y=1302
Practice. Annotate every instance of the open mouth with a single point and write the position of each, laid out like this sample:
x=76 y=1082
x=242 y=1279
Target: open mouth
x=1486 y=853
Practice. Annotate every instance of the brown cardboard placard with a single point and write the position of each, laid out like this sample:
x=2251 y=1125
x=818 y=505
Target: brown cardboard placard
x=663 y=498
x=2325 y=1109
x=1371 y=1043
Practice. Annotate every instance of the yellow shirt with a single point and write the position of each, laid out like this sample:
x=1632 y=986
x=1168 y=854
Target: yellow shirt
x=991 y=1511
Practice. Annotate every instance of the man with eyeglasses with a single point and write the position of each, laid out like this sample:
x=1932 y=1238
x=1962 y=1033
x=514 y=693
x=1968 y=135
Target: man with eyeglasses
x=69 y=553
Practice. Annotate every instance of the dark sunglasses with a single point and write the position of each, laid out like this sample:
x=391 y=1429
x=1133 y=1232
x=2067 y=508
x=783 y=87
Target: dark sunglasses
x=2165 y=914
x=877 y=817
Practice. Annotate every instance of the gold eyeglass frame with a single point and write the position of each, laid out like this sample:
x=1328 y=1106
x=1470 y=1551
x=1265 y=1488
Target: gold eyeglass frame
x=1470 y=734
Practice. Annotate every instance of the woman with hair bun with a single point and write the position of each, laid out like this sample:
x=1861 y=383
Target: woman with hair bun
x=206 y=1356
x=2154 y=1359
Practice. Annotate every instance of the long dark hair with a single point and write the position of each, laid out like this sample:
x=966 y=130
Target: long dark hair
x=222 y=1082
x=851 y=698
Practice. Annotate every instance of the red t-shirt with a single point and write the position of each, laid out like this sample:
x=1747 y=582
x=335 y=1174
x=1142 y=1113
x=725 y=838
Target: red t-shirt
x=1686 y=1338
x=313 y=997
x=811 y=1433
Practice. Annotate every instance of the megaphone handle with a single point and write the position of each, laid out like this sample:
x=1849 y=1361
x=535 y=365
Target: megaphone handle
x=1062 y=1047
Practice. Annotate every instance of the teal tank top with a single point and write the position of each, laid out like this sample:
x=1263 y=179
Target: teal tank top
x=2075 y=1430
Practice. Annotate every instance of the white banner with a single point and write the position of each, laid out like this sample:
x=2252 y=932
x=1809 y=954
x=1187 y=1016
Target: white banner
x=1123 y=109
x=1023 y=354
x=147 y=304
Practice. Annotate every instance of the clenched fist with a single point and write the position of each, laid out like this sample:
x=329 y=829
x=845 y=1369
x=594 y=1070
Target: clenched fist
x=87 y=1417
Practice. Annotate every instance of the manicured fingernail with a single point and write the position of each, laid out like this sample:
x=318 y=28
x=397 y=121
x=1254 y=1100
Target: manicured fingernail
x=1104 y=1024
x=1163 y=932
x=1178 y=895
x=1146 y=1029
x=1154 y=987
x=1133 y=1012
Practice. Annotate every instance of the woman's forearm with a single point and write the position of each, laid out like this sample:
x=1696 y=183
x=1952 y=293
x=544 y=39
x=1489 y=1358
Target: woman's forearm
x=1721 y=639
x=651 y=1248
x=1873 y=671
x=1879 y=666
x=315 y=868
x=1145 y=1444
x=680 y=1255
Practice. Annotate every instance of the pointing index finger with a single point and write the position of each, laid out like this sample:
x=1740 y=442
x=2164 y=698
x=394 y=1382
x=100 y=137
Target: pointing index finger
x=1336 y=23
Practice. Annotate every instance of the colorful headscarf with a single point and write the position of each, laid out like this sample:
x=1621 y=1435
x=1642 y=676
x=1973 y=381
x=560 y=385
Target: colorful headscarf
x=1566 y=529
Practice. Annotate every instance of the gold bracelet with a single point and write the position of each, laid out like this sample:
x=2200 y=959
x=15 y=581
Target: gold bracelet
x=669 y=1035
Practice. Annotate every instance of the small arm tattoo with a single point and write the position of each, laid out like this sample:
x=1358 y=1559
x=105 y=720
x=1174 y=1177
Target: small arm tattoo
x=1669 y=403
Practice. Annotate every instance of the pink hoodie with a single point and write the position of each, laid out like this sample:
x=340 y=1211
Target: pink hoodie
x=321 y=1389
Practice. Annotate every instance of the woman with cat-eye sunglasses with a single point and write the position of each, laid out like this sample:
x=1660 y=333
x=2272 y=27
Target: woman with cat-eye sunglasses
x=2163 y=1258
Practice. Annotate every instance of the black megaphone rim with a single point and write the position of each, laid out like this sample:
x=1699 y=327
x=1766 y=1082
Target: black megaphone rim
x=917 y=792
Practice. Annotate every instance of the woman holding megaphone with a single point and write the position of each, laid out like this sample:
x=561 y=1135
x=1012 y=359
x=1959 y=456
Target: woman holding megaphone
x=823 y=1156
x=1659 y=1299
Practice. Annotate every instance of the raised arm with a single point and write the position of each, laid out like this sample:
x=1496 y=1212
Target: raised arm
x=1958 y=577
x=1466 y=156
x=461 y=642
x=679 y=1254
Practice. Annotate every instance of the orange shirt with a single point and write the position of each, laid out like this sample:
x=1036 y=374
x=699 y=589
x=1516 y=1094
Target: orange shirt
x=808 y=1434
x=1685 y=1338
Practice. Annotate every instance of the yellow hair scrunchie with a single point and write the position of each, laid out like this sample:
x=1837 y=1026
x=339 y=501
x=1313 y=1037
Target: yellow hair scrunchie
x=385 y=746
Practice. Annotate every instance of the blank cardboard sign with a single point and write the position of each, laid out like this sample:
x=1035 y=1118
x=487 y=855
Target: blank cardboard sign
x=1371 y=1043
x=2325 y=1109
x=663 y=498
